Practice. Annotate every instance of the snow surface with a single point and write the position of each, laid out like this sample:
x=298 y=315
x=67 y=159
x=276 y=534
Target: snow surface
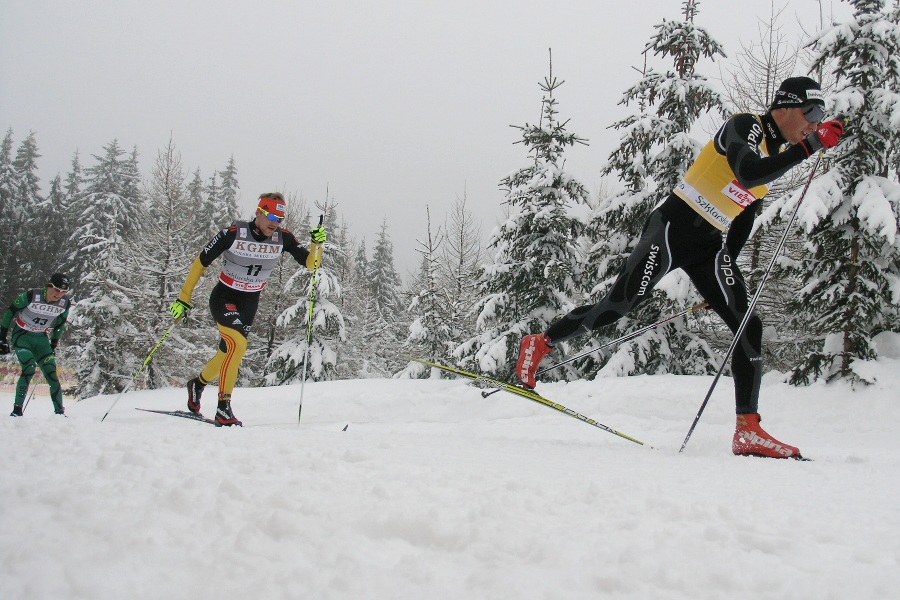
x=433 y=492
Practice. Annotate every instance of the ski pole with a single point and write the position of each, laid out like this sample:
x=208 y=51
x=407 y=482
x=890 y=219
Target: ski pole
x=141 y=368
x=309 y=322
x=30 y=396
x=618 y=340
x=753 y=301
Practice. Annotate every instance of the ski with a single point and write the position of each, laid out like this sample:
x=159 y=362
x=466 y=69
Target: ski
x=525 y=393
x=184 y=414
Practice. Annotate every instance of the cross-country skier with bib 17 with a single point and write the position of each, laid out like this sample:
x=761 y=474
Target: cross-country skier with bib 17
x=249 y=251
x=700 y=228
x=32 y=316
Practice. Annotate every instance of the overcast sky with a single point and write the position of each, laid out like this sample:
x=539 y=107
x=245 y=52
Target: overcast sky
x=391 y=105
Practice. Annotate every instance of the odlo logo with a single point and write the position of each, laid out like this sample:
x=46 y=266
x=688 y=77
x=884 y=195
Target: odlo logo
x=728 y=270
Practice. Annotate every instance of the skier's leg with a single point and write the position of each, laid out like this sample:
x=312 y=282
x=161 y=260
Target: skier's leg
x=645 y=266
x=722 y=285
x=28 y=364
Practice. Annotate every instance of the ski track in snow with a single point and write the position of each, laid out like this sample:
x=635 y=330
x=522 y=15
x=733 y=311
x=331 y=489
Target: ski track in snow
x=434 y=492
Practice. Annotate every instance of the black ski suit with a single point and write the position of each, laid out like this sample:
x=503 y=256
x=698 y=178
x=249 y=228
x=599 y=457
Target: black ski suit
x=689 y=231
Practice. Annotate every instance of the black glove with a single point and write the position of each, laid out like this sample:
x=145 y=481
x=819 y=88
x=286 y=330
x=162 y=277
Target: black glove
x=4 y=347
x=53 y=343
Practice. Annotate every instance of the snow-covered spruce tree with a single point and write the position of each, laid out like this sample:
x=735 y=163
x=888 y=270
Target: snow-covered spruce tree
x=229 y=191
x=9 y=222
x=207 y=222
x=459 y=264
x=106 y=219
x=53 y=226
x=656 y=150
x=30 y=233
x=531 y=280
x=429 y=333
x=213 y=207
x=363 y=324
x=851 y=271
x=19 y=195
x=163 y=254
x=388 y=310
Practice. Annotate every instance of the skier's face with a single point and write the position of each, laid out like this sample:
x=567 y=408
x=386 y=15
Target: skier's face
x=55 y=294
x=265 y=225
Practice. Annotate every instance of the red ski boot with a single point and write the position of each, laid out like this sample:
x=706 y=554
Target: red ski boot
x=752 y=440
x=532 y=351
x=224 y=416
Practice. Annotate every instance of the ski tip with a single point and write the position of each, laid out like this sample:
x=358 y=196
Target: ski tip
x=345 y=427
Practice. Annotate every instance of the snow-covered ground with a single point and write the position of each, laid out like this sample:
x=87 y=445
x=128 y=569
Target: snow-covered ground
x=433 y=492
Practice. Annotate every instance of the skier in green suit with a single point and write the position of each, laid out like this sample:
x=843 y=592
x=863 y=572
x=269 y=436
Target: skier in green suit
x=31 y=316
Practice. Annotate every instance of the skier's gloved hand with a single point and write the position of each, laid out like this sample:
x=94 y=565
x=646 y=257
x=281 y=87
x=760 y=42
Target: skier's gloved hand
x=826 y=136
x=180 y=309
x=4 y=347
x=318 y=235
x=54 y=343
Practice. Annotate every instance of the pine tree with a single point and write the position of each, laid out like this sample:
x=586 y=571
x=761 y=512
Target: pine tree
x=213 y=205
x=384 y=283
x=655 y=152
x=207 y=224
x=25 y=164
x=54 y=227
x=429 y=333
x=107 y=217
x=30 y=231
x=10 y=219
x=853 y=258
x=74 y=188
x=229 y=192
x=162 y=260
x=460 y=260
x=531 y=280
x=358 y=307
x=382 y=275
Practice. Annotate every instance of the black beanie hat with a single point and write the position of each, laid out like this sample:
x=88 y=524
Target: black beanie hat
x=797 y=91
x=59 y=281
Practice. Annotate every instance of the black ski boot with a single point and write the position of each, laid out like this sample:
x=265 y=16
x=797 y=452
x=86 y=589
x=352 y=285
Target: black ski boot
x=195 y=390
x=224 y=416
x=17 y=410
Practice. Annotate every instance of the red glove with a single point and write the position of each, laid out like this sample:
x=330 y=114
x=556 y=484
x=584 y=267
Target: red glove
x=826 y=136
x=830 y=133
